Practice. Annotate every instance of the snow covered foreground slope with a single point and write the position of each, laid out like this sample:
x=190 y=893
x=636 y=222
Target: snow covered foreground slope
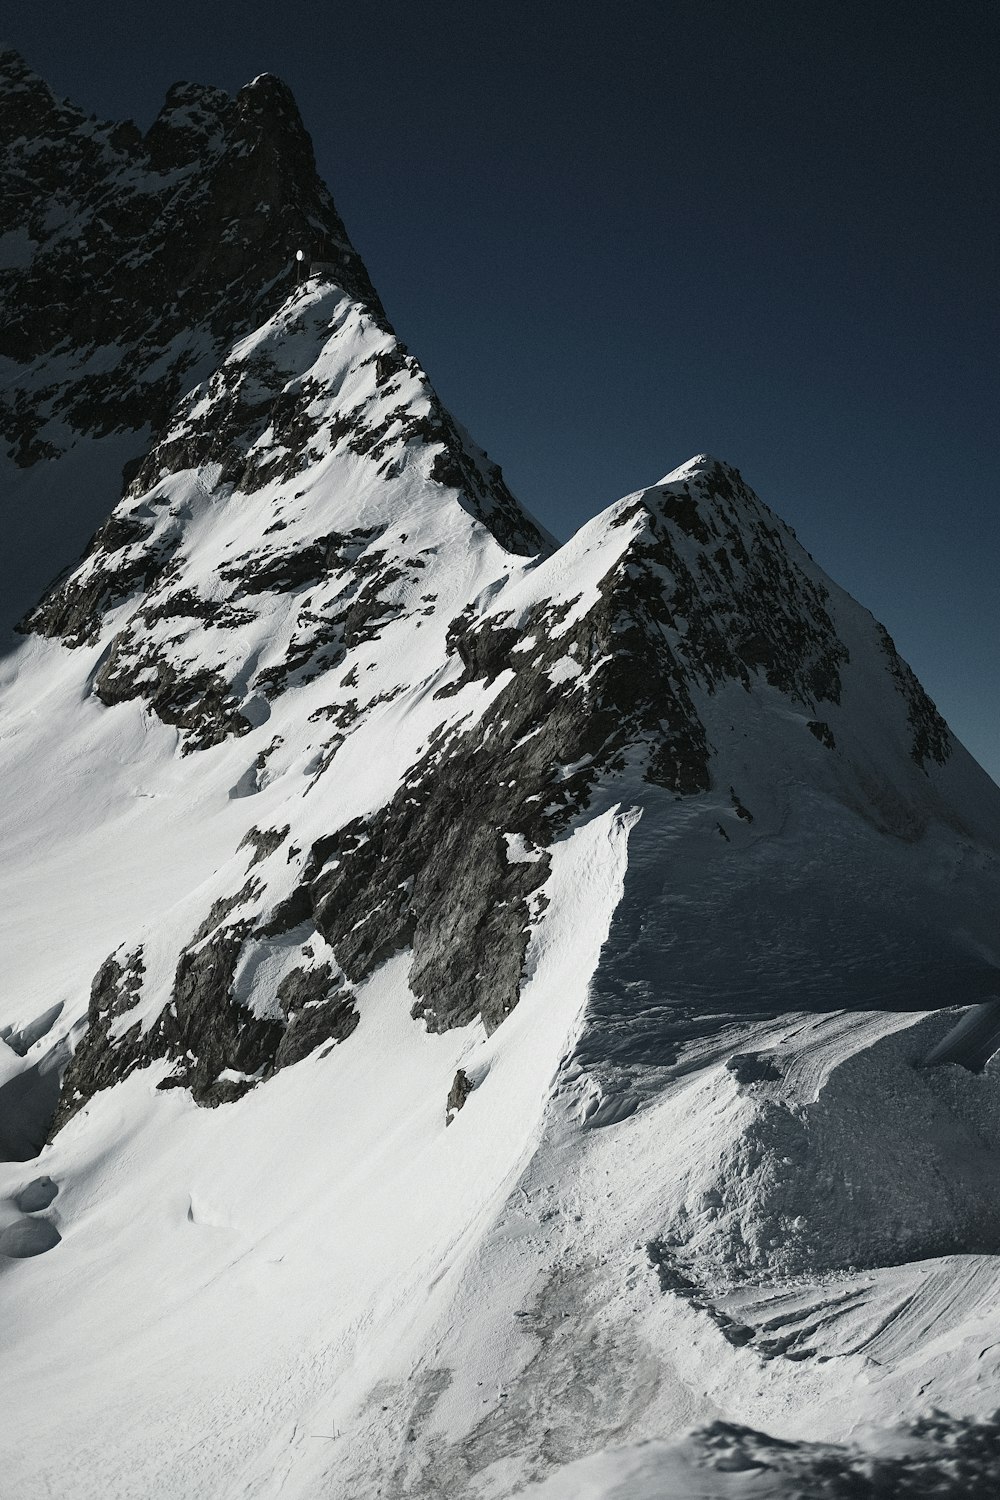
x=463 y=997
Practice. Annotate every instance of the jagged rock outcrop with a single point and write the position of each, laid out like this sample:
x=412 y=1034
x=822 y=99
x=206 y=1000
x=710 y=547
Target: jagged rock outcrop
x=134 y=261
x=602 y=674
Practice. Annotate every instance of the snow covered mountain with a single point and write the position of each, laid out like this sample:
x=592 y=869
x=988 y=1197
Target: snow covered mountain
x=466 y=999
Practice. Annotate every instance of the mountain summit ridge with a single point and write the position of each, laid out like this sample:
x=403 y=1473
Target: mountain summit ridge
x=139 y=264
x=466 y=995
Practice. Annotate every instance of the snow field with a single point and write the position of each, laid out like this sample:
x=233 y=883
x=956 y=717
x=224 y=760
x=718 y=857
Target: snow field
x=291 y=1248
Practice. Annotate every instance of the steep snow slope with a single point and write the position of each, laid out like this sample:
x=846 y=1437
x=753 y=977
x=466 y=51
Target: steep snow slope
x=557 y=934
x=244 y=1265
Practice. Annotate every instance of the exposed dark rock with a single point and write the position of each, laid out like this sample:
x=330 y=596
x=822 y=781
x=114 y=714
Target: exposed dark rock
x=742 y=812
x=753 y=1067
x=263 y=842
x=324 y=1023
x=460 y=1090
x=200 y=705
x=282 y=571
x=683 y=511
x=318 y=1009
x=117 y=532
x=209 y=1032
x=430 y=870
x=736 y=609
x=222 y=908
x=690 y=603
x=75 y=605
x=218 y=1047
x=823 y=732
x=357 y=614
x=931 y=736
x=231 y=188
x=674 y=1279
x=115 y=990
x=204 y=1030
x=185 y=604
x=183 y=240
x=707 y=591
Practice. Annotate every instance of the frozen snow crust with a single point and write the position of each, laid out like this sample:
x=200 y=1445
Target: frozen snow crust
x=556 y=934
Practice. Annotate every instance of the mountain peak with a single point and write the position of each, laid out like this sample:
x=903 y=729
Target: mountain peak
x=200 y=121
x=208 y=210
x=269 y=92
x=28 y=107
x=322 y=759
x=15 y=72
x=701 y=463
x=115 y=317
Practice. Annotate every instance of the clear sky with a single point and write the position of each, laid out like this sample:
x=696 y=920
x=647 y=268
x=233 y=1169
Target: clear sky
x=620 y=234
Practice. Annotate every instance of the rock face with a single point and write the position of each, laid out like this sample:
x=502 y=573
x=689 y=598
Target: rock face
x=131 y=266
x=304 y=503
x=142 y=257
x=339 y=792
x=598 y=666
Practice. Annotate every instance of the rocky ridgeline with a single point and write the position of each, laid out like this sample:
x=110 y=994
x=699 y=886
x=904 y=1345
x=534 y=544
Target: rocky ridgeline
x=323 y=382
x=150 y=286
x=452 y=867
x=137 y=259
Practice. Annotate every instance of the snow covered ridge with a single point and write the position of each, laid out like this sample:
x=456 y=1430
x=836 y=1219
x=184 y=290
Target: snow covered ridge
x=558 y=935
x=578 y=675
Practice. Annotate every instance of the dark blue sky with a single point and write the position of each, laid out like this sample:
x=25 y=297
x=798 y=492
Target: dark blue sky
x=620 y=234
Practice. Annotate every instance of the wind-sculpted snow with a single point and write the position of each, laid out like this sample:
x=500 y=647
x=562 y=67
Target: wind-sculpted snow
x=879 y=1163
x=559 y=935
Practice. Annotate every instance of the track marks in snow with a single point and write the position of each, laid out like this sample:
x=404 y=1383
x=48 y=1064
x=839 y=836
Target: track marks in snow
x=945 y=1295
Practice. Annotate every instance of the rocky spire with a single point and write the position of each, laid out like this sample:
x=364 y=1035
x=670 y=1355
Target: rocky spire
x=143 y=257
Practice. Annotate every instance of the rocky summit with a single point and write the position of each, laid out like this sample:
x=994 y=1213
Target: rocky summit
x=471 y=1003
